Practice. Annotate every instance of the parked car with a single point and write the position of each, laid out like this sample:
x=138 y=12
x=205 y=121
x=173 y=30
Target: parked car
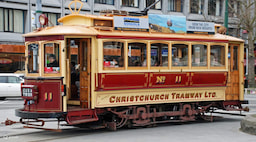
x=10 y=85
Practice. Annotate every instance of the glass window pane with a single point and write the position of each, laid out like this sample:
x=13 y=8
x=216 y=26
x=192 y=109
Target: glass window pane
x=3 y=79
x=196 y=6
x=156 y=6
x=159 y=54
x=12 y=79
x=235 y=58
x=199 y=55
x=111 y=2
x=175 y=5
x=18 y=21
x=6 y=20
x=113 y=53
x=11 y=20
x=217 y=57
x=33 y=58
x=137 y=54
x=130 y=3
x=1 y=19
x=179 y=55
x=51 y=58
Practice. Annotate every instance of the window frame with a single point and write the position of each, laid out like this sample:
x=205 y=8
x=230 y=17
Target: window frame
x=225 y=45
x=147 y=56
x=27 y=59
x=169 y=53
x=124 y=47
x=104 y=2
x=175 y=5
x=207 y=54
x=200 y=8
x=189 y=55
x=10 y=27
x=128 y=5
x=43 y=58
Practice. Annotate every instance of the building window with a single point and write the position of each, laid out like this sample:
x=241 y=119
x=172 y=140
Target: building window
x=51 y=56
x=197 y=6
x=159 y=55
x=179 y=55
x=33 y=56
x=175 y=5
x=232 y=8
x=199 y=55
x=214 y=7
x=113 y=53
x=137 y=54
x=11 y=20
x=217 y=57
x=130 y=3
x=111 y=2
x=53 y=18
x=156 y=6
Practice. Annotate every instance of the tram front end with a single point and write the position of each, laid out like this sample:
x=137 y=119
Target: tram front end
x=42 y=99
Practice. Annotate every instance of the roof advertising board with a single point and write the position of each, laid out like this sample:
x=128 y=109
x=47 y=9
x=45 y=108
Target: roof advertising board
x=167 y=23
x=130 y=23
x=200 y=27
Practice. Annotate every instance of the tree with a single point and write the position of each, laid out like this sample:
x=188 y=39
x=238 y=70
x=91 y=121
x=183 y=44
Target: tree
x=247 y=14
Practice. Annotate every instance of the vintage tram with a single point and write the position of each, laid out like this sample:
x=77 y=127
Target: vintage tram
x=90 y=71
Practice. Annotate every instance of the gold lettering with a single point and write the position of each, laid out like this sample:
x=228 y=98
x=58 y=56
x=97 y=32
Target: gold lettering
x=160 y=79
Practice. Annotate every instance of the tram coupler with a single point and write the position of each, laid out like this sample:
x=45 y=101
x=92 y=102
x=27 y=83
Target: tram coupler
x=9 y=122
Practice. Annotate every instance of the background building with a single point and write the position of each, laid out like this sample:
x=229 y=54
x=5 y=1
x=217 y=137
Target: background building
x=18 y=17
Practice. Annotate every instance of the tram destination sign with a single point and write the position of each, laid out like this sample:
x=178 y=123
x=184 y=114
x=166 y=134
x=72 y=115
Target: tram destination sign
x=200 y=27
x=131 y=23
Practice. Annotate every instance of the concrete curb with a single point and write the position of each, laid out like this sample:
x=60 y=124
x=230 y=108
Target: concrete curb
x=248 y=124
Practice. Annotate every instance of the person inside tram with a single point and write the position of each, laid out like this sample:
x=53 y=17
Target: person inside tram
x=52 y=61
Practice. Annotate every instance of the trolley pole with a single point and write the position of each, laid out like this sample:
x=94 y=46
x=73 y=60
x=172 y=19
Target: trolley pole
x=38 y=12
x=226 y=16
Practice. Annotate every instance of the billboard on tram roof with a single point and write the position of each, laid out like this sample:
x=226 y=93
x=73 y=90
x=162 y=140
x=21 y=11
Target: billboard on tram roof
x=167 y=23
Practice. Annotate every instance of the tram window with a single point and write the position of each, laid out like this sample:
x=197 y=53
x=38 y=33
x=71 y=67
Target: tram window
x=235 y=56
x=33 y=58
x=199 y=55
x=51 y=58
x=113 y=54
x=179 y=55
x=137 y=54
x=159 y=54
x=217 y=57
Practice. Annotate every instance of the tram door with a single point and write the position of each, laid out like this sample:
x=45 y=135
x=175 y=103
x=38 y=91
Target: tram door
x=232 y=91
x=79 y=71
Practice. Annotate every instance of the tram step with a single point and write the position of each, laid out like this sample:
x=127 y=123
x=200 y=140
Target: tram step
x=83 y=116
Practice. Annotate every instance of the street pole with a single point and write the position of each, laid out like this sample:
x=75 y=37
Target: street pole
x=38 y=12
x=226 y=16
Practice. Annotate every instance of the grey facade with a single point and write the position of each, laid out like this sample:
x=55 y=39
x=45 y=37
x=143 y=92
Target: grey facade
x=94 y=6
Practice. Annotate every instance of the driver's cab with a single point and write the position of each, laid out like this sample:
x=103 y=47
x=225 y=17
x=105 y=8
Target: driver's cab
x=60 y=69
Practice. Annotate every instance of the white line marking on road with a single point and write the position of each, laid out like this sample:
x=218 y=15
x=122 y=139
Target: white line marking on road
x=3 y=102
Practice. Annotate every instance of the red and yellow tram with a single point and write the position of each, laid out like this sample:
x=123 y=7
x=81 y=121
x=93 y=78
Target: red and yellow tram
x=87 y=72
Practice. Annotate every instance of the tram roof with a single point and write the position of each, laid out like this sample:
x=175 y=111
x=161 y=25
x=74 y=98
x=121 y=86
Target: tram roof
x=82 y=30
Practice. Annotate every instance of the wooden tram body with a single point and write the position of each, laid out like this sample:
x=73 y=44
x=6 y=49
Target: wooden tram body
x=126 y=94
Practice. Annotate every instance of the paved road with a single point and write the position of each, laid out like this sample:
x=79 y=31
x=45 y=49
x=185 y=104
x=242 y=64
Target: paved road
x=222 y=130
